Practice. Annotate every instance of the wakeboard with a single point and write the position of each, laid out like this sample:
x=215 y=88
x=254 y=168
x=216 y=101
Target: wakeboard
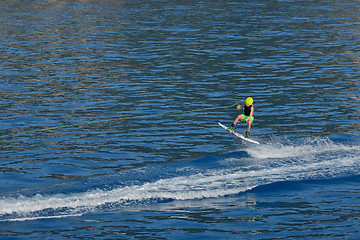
x=238 y=134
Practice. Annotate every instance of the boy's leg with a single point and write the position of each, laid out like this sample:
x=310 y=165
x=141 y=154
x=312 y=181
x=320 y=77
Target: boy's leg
x=247 y=133
x=240 y=117
x=248 y=126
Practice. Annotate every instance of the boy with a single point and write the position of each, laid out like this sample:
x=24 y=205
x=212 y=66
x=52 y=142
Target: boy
x=247 y=117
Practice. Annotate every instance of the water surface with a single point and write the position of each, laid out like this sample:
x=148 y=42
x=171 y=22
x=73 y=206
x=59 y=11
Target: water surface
x=109 y=113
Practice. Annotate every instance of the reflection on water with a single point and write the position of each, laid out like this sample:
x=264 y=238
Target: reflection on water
x=72 y=62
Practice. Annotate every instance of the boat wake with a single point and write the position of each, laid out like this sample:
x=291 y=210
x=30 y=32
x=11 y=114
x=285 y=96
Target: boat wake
x=208 y=177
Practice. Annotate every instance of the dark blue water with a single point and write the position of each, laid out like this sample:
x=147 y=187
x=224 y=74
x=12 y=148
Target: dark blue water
x=109 y=112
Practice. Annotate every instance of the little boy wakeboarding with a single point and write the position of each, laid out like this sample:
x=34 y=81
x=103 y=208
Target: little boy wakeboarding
x=247 y=116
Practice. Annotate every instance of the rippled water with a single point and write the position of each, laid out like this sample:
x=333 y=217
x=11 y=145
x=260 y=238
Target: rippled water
x=109 y=113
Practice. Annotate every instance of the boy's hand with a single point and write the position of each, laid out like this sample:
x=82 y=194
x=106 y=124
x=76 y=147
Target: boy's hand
x=232 y=126
x=236 y=106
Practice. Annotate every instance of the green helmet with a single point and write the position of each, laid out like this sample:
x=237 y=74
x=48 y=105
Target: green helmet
x=249 y=101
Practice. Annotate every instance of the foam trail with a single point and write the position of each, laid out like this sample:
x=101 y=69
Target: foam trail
x=283 y=163
x=178 y=188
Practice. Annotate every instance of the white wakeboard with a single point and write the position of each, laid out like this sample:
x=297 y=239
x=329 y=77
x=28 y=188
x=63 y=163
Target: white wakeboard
x=238 y=134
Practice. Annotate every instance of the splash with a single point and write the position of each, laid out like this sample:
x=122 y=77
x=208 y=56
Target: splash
x=288 y=149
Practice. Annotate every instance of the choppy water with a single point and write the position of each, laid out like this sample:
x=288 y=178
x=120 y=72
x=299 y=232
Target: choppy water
x=109 y=112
